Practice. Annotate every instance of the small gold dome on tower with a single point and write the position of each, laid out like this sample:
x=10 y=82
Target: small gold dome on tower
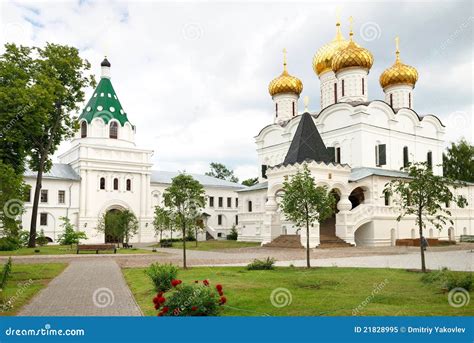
x=352 y=55
x=398 y=73
x=322 y=60
x=285 y=83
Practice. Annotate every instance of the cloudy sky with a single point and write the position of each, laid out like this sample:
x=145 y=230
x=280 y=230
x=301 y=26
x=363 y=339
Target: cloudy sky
x=193 y=77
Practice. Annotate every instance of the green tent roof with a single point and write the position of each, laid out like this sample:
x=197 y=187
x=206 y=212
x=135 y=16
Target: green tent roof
x=104 y=104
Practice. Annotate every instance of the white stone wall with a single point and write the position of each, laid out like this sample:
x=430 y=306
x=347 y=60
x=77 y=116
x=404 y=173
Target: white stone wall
x=327 y=81
x=401 y=95
x=285 y=103
x=353 y=91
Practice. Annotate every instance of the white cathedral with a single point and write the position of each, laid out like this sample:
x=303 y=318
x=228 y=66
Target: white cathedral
x=352 y=145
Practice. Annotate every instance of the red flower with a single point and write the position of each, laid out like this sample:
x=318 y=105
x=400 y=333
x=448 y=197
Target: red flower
x=194 y=308
x=157 y=306
x=221 y=293
x=155 y=300
x=165 y=309
x=175 y=283
x=205 y=282
x=219 y=287
x=223 y=300
x=161 y=300
x=160 y=314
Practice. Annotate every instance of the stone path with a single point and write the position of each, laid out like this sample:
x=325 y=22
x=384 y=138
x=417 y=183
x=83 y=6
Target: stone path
x=87 y=287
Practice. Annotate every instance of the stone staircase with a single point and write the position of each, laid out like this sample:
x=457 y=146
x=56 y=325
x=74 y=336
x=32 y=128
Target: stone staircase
x=327 y=235
x=285 y=241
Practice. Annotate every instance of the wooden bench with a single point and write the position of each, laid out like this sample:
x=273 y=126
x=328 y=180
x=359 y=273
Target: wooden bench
x=166 y=244
x=96 y=247
x=127 y=246
x=467 y=238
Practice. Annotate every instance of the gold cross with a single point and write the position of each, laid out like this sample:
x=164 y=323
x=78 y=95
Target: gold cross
x=284 y=58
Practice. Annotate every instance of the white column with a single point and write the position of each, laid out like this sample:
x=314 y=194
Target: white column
x=285 y=103
x=399 y=96
x=352 y=85
x=327 y=81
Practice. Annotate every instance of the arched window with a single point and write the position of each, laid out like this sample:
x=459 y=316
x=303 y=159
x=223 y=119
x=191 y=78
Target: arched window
x=113 y=130
x=363 y=86
x=343 y=88
x=429 y=159
x=335 y=92
x=83 y=129
x=409 y=100
x=386 y=198
x=115 y=184
x=129 y=185
x=293 y=104
x=102 y=183
x=405 y=157
x=391 y=100
x=276 y=110
x=250 y=206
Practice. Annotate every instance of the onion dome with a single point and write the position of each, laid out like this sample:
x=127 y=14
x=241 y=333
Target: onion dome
x=104 y=103
x=105 y=62
x=285 y=83
x=398 y=73
x=322 y=60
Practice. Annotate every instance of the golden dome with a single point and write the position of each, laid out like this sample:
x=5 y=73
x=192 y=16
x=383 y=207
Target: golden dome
x=285 y=83
x=352 y=56
x=398 y=73
x=322 y=60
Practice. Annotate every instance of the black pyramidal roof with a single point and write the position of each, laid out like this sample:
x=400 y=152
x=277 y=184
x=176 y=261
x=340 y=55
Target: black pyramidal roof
x=307 y=143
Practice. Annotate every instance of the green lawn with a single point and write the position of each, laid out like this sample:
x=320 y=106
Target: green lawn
x=314 y=292
x=214 y=245
x=19 y=289
x=66 y=249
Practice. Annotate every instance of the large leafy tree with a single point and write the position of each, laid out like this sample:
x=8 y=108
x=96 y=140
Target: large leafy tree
x=304 y=203
x=60 y=73
x=185 y=197
x=220 y=171
x=425 y=196
x=122 y=225
x=458 y=161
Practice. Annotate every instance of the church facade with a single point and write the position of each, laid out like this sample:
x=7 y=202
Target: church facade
x=104 y=170
x=351 y=145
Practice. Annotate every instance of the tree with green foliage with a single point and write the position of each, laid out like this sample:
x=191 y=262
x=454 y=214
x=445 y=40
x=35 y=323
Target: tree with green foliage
x=458 y=161
x=185 y=197
x=41 y=238
x=54 y=79
x=162 y=221
x=220 y=171
x=304 y=203
x=70 y=236
x=425 y=196
x=250 y=182
x=120 y=225
x=129 y=224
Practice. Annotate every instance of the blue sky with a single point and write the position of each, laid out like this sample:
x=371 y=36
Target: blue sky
x=193 y=77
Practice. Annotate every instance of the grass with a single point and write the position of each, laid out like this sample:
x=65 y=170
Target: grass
x=66 y=249
x=19 y=289
x=314 y=292
x=214 y=245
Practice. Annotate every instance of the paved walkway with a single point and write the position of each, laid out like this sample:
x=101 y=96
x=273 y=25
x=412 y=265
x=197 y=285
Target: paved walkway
x=92 y=287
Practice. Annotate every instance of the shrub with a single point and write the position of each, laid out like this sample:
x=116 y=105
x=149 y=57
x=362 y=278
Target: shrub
x=70 y=236
x=232 y=236
x=9 y=244
x=161 y=275
x=447 y=280
x=6 y=271
x=41 y=239
x=197 y=299
x=266 y=264
x=23 y=238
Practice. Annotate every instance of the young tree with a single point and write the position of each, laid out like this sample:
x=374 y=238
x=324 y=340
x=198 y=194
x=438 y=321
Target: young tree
x=185 y=198
x=161 y=221
x=424 y=194
x=59 y=72
x=198 y=227
x=304 y=204
x=110 y=224
x=458 y=162
x=250 y=182
x=70 y=236
x=220 y=171
x=129 y=225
